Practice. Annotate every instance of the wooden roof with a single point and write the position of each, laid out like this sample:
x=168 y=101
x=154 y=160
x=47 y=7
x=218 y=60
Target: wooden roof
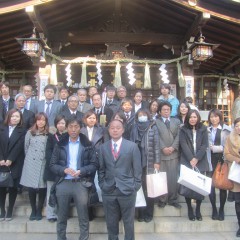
x=157 y=29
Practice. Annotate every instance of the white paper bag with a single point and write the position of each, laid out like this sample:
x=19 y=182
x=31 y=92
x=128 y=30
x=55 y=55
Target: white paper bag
x=195 y=181
x=99 y=191
x=234 y=172
x=157 y=184
x=140 y=199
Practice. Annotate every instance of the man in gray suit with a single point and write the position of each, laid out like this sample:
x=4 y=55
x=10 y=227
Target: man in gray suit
x=83 y=105
x=31 y=104
x=119 y=178
x=50 y=106
x=169 y=141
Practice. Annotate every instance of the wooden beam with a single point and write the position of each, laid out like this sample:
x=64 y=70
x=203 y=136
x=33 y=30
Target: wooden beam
x=199 y=21
x=16 y=7
x=230 y=65
x=37 y=21
x=80 y=37
x=206 y=8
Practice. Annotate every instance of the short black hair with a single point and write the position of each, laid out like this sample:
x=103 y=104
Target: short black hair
x=63 y=88
x=165 y=85
x=73 y=119
x=58 y=119
x=50 y=86
x=164 y=103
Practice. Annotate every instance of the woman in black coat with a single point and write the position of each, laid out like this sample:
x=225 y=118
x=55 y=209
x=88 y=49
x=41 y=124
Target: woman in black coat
x=49 y=177
x=146 y=135
x=11 y=158
x=194 y=143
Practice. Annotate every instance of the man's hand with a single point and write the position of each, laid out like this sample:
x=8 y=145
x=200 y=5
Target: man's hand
x=8 y=163
x=156 y=166
x=70 y=171
x=194 y=162
x=77 y=173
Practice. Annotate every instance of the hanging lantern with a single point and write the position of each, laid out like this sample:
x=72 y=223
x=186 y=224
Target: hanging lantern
x=202 y=51
x=31 y=46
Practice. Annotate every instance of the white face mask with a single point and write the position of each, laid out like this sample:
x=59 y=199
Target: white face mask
x=142 y=119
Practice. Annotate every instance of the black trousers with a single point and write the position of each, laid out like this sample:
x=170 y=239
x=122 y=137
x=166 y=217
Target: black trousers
x=115 y=205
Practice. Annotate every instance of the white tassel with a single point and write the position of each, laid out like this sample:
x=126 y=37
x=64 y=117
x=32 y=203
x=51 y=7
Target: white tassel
x=117 y=79
x=147 y=78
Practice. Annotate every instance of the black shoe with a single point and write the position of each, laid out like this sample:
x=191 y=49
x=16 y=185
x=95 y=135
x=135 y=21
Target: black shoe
x=32 y=216
x=214 y=214
x=191 y=216
x=199 y=216
x=161 y=204
x=148 y=219
x=221 y=215
x=140 y=219
x=2 y=216
x=8 y=216
x=39 y=216
x=176 y=205
x=52 y=220
x=238 y=233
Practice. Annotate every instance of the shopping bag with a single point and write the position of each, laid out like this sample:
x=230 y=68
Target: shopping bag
x=195 y=180
x=99 y=191
x=234 y=172
x=157 y=184
x=188 y=193
x=140 y=199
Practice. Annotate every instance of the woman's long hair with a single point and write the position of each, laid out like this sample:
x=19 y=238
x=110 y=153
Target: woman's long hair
x=186 y=122
x=34 y=128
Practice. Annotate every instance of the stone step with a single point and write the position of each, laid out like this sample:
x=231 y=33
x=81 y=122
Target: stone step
x=24 y=209
x=138 y=236
x=98 y=225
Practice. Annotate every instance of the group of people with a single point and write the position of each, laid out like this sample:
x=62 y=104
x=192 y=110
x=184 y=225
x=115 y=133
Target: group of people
x=60 y=145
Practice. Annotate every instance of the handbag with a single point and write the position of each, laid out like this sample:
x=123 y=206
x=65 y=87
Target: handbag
x=92 y=195
x=193 y=179
x=188 y=193
x=220 y=177
x=234 y=172
x=156 y=184
x=140 y=199
x=6 y=179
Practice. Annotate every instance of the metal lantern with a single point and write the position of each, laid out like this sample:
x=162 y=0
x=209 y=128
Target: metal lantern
x=32 y=46
x=201 y=51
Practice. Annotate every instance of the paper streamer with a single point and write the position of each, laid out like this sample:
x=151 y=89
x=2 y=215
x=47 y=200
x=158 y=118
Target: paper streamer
x=68 y=75
x=99 y=74
x=53 y=76
x=131 y=75
x=163 y=73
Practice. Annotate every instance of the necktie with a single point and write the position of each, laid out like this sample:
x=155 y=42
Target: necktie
x=63 y=103
x=127 y=116
x=81 y=107
x=115 y=148
x=48 y=108
x=5 y=106
x=109 y=102
x=98 y=111
x=73 y=114
x=26 y=105
x=167 y=123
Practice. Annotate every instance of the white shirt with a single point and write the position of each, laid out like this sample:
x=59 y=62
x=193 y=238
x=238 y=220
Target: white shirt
x=119 y=142
x=73 y=112
x=11 y=128
x=90 y=133
x=72 y=156
x=27 y=104
x=137 y=107
x=164 y=119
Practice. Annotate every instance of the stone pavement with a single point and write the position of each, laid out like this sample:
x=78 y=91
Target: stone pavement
x=150 y=236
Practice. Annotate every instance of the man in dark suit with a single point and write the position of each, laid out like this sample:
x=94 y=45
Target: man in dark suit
x=6 y=102
x=91 y=91
x=168 y=129
x=31 y=104
x=28 y=116
x=127 y=108
x=71 y=109
x=83 y=105
x=111 y=102
x=119 y=178
x=101 y=110
x=50 y=106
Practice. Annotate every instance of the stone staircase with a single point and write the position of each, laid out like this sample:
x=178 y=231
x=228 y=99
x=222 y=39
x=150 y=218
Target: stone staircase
x=166 y=220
